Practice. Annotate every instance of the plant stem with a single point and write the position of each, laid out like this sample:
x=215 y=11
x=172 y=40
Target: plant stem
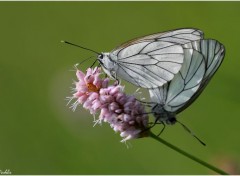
x=219 y=171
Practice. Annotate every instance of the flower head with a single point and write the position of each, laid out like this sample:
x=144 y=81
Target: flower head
x=87 y=89
x=124 y=113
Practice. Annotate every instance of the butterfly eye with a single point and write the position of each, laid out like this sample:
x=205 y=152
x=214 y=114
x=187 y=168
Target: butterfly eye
x=172 y=120
x=100 y=56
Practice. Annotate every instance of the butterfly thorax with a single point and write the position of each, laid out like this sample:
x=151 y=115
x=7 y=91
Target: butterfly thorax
x=163 y=116
x=108 y=64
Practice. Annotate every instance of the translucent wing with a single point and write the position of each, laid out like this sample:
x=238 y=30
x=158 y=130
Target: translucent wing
x=185 y=84
x=213 y=53
x=178 y=36
x=150 y=64
x=153 y=60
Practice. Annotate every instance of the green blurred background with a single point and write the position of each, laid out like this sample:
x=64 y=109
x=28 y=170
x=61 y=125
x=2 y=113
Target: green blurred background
x=39 y=134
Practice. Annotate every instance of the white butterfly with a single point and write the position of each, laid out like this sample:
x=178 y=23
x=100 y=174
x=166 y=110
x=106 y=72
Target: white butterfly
x=149 y=61
x=202 y=59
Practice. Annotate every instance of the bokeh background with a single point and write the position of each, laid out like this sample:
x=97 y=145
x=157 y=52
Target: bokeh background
x=39 y=134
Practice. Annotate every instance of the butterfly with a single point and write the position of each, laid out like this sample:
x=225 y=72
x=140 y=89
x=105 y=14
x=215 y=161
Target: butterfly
x=175 y=66
x=150 y=61
x=202 y=60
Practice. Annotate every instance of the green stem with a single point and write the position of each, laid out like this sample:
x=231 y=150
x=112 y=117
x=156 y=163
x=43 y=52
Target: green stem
x=187 y=154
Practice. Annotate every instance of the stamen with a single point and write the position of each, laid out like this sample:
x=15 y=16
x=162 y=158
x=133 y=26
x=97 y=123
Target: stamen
x=92 y=88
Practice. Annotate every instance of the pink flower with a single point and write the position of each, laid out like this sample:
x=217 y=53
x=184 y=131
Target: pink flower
x=123 y=112
x=87 y=89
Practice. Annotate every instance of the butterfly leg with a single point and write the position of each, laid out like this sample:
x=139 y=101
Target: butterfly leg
x=164 y=126
x=155 y=123
x=118 y=81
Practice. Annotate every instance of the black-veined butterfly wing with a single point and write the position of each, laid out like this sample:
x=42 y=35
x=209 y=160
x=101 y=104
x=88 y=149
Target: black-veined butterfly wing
x=213 y=53
x=153 y=60
x=179 y=91
x=150 y=64
x=178 y=36
x=176 y=95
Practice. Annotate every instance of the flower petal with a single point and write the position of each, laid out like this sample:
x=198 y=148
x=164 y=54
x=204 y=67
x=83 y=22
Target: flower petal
x=80 y=75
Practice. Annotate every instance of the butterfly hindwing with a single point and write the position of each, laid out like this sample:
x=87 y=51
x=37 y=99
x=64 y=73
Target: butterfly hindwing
x=177 y=92
x=213 y=52
x=187 y=81
x=197 y=70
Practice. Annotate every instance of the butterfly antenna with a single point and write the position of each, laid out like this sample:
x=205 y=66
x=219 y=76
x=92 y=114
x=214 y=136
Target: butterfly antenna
x=147 y=103
x=80 y=46
x=85 y=60
x=188 y=130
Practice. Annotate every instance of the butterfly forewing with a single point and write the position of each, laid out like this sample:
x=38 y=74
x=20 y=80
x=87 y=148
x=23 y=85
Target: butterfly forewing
x=173 y=35
x=153 y=60
x=151 y=64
